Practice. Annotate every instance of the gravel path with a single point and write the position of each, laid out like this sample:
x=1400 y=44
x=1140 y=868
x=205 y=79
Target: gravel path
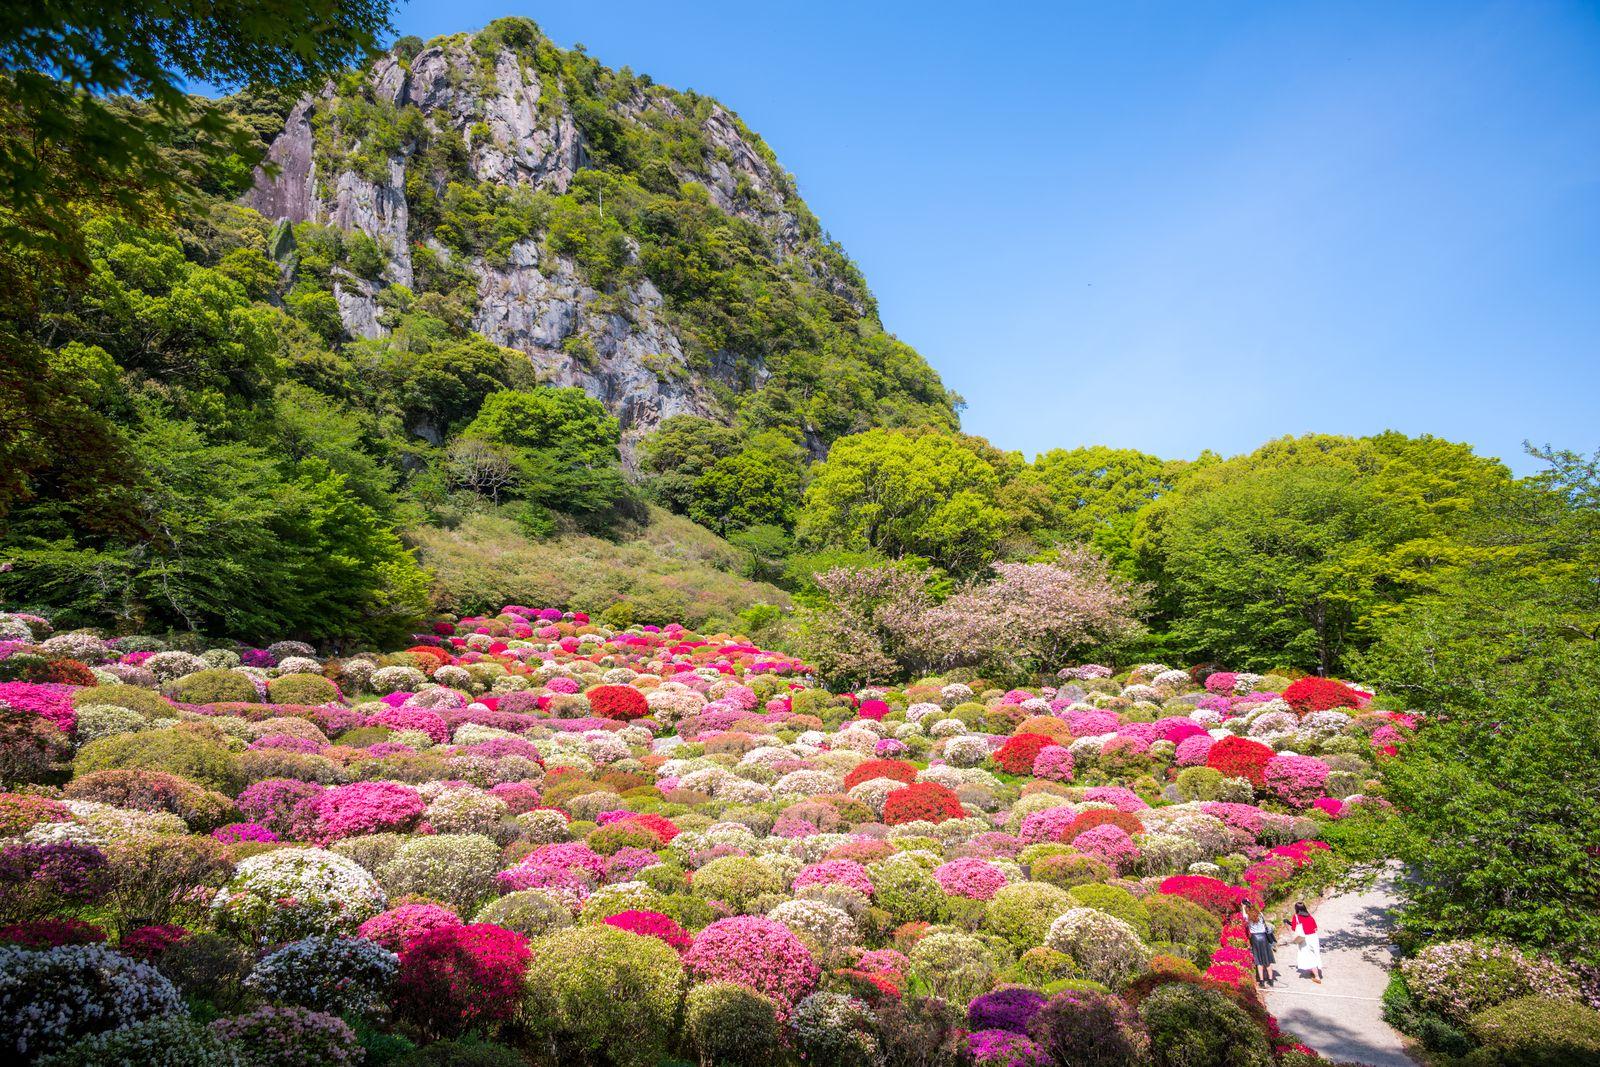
x=1343 y=1017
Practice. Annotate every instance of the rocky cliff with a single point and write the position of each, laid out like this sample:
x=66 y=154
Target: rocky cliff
x=633 y=240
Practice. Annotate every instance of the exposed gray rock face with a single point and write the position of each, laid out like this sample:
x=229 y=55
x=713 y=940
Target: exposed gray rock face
x=620 y=348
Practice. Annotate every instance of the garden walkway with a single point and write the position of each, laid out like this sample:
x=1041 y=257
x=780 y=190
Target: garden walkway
x=1343 y=1017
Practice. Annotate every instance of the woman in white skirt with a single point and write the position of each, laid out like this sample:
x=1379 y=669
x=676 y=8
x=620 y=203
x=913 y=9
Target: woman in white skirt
x=1309 y=942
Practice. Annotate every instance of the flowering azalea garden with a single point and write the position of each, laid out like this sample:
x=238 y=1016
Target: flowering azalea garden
x=532 y=838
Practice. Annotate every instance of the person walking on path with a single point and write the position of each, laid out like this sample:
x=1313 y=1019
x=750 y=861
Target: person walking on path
x=1261 y=937
x=1308 y=955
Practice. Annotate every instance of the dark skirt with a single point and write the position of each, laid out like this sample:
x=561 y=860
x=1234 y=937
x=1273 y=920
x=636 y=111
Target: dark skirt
x=1261 y=949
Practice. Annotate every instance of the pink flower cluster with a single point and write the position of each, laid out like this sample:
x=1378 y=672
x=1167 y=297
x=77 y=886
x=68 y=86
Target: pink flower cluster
x=836 y=872
x=358 y=808
x=48 y=700
x=398 y=927
x=1110 y=843
x=1054 y=762
x=970 y=878
x=429 y=722
x=651 y=924
x=755 y=952
x=1297 y=780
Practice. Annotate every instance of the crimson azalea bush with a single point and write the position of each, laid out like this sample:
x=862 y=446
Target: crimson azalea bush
x=1240 y=757
x=1312 y=693
x=924 y=801
x=456 y=978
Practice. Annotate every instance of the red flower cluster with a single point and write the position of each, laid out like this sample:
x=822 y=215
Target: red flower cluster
x=899 y=770
x=1016 y=756
x=1320 y=694
x=456 y=978
x=1128 y=824
x=1240 y=757
x=150 y=943
x=50 y=933
x=1212 y=894
x=924 y=800
x=622 y=702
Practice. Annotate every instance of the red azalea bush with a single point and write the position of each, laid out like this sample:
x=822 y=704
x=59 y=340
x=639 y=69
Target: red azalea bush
x=48 y=933
x=1240 y=757
x=1319 y=694
x=150 y=943
x=456 y=978
x=1212 y=894
x=1016 y=756
x=898 y=770
x=621 y=702
x=924 y=800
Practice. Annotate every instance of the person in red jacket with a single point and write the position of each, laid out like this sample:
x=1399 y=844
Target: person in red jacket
x=1309 y=955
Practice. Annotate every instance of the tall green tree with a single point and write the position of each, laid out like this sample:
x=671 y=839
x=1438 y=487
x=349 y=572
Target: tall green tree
x=911 y=493
x=1496 y=804
x=1095 y=493
x=565 y=445
x=1289 y=555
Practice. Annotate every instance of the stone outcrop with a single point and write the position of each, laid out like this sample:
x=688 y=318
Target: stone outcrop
x=622 y=351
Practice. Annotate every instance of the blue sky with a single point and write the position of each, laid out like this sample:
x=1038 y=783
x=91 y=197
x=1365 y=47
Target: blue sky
x=1183 y=226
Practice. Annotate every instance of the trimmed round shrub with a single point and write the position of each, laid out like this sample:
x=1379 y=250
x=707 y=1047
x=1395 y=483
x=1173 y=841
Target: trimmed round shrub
x=530 y=912
x=729 y=1023
x=621 y=702
x=215 y=686
x=755 y=952
x=1115 y=901
x=141 y=790
x=1106 y=949
x=272 y=1036
x=458 y=869
x=394 y=929
x=302 y=689
x=1312 y=693
x=1459 y=979
x=1010 y=1009
x=178 y=751
x=1537 y=1032
x=598 y=991
x=1240 y=757
x=953 y=965
x=907 y=891
x=171 y=1041
x=457 y=978
x=146 y=702
x=1190 y=1024
x=1022 y=913
x=334 y=974
x=924 y=801
x=51 y=998
x=329 y=893
x=736 y=881
x=834 y=1030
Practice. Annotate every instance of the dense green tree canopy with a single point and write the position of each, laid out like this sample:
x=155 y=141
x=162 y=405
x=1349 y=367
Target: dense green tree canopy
x=1505 y=659
x=898 y=493
x=1095 y=492
x=1288 y=555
